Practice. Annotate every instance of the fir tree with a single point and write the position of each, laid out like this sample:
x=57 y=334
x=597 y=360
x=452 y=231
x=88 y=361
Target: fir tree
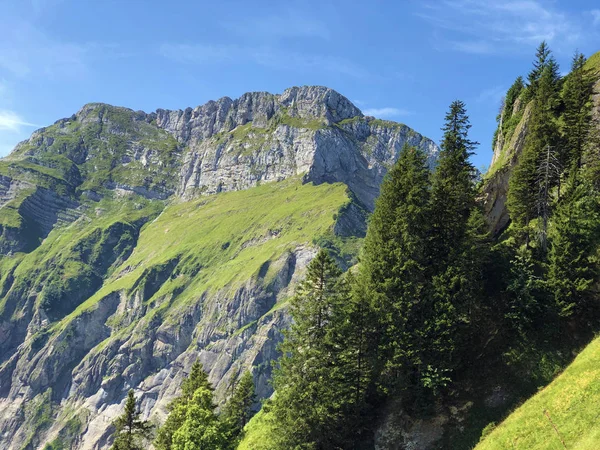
x=453 y=191
x=457 y=241
x=312 y=396
x=543 y=60
x=238 y=410
x=131 y=433
x=577 y=94
x=394 y=267
x=572 y=261
x=511 y=97
x=543 y=138
x=201 y=428
x=178 y=408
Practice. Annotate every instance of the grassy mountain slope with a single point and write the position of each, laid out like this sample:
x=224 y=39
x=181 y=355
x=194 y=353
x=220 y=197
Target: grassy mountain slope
x=566 y=410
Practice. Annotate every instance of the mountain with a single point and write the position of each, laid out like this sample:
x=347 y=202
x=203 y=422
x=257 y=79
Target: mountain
x=133 y=244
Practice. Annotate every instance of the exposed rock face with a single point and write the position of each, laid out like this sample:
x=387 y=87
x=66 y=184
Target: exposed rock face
x=495 y=189
x=71 y=345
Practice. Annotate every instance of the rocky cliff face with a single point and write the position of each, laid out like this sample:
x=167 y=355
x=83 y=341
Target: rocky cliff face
x=135 y=243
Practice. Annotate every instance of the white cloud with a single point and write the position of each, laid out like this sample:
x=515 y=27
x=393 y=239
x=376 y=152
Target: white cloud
x=491 y=95
x=25 y=51
x=595 y=16
x=213 y=54
x=494 y=26
x=11 y=121
x=387 y=111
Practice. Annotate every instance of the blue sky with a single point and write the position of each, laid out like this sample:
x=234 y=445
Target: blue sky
x=398 y=60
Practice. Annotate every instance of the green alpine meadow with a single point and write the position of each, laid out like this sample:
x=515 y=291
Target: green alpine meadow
x=294 y=268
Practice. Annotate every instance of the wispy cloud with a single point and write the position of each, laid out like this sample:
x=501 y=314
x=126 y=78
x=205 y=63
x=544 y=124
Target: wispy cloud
x=11 y=121
x=492 y=95
x=287 y=23
x=214 y=54
x=493 y=26
x=387 y=111
x=595 y=16
x=26 y=50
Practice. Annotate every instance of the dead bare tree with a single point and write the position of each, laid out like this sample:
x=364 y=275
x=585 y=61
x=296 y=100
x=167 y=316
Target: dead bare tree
x=548 y=176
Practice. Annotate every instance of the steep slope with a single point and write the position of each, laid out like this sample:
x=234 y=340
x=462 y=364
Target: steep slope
x=135 y=243
x=562 y=415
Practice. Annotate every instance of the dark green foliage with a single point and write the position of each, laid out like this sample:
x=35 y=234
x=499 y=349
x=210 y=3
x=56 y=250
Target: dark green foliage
x=131 y=433
x=197 y=379
x=576 y=96
x=238 y=410
x=573 y=261
x=314 y=393
x=542 y=139
x=512 y=95
x=394 y=267
x=543 y=61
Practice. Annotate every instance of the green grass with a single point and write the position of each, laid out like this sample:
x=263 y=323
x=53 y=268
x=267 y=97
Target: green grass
x=222 y=241
x=258 y=433
x=571 y=401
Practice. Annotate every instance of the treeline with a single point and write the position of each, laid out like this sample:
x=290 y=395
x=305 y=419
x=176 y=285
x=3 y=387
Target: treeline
x=435 y=298
x=192 y=423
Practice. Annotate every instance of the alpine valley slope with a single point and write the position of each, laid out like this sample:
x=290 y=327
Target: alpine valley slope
x=132 y=244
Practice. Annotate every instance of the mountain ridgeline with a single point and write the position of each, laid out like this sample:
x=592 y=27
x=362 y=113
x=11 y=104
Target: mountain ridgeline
x=134 y=244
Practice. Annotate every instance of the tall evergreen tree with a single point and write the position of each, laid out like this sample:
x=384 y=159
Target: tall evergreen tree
x=312 y=395
x=458 y=240
x=131 y=433
x=512 y=95
x=178 y=408
x=238 y=410
x=526 y=185
x=543 y=60
x=577 y=93
x=395 y=265
x=453 y=191
x=573 y=269
x=201 y=428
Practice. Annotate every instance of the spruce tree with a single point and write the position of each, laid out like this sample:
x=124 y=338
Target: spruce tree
x=573 y=269
x=453 y=191
x=577 y=93
x=131 y=433
x=201 y=428
x=527 y=185
x=458 y=252
x=511 y=97
x=394 y=268
x=238 y=410
x=311 y=396
x=543 y=60
x=178 y=408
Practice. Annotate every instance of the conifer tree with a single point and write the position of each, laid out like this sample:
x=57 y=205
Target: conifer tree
x=543 y=60
x=238 y=410
x=131 y=433
x=178 y=408
x=201 y=428
x=573 y=269
x=543 y=138
x=577 y=94
x=512 y=95
x=458 y=251
x=394 y=267
x=311 y=396
x=453 y=191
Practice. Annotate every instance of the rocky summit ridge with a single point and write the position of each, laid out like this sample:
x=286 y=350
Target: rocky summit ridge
x=134 y=243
